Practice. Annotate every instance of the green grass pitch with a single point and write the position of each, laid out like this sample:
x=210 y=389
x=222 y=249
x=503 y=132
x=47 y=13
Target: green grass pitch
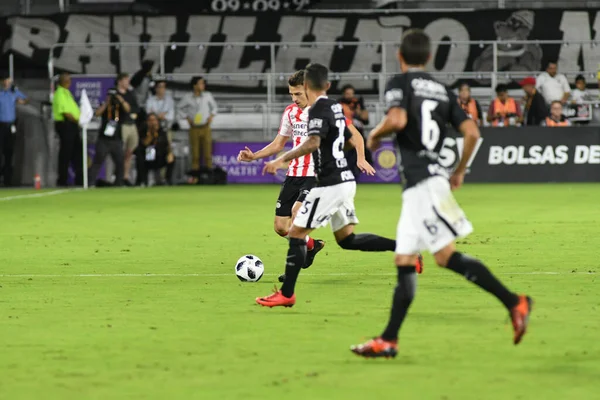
x=131 y=294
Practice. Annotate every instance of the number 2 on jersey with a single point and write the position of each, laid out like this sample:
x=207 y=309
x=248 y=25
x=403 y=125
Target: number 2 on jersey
x=430 y=130
x=338 y=144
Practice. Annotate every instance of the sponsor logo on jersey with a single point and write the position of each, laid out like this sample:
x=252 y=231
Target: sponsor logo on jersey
x=315 y=123
x=393 y=97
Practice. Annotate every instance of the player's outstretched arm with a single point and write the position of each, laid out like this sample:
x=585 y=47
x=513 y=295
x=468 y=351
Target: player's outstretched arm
x=358 y=143
x=274 y=147
x=395 y=120
x=470 y=131
x=309 y=146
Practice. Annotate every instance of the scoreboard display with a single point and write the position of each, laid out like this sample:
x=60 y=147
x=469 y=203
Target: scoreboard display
x=232 y=6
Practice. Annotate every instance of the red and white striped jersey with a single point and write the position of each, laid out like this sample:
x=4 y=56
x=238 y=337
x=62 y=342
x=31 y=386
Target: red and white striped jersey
x=294 y=124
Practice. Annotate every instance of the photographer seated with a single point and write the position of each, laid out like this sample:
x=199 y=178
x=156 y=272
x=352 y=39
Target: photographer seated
x=154 y=152
x=504 y=110
x=556 y=117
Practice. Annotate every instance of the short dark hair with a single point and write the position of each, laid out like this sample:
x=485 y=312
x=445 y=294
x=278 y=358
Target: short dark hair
x=316 y=75
x=346 y=87
x=580 y=78
x=297 y=78
x=415 y=47
x=121 y=76
x=196 y=79
x=551 y=62
x=462 y=85
x=555 y=102
x=501 y=88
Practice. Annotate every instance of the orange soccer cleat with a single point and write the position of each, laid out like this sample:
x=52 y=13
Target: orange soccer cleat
x=277 y=299
x=419 y=264
x=519 y=315
x=377 y=347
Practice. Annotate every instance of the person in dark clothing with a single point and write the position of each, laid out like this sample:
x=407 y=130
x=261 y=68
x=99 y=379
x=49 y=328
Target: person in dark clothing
x=115 y=112
x=66 y=124
x=354 y=109
x=535 y=110
x=154 y=151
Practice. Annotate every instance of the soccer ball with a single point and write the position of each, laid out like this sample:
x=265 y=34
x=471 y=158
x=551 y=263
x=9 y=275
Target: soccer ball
x=249 y=268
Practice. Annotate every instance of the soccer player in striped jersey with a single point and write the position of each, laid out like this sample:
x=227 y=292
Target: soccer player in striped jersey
x=300 y=177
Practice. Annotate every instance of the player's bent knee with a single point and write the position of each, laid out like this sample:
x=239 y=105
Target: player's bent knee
x=344 y=235
x=281 y=227
x=405 y=259
x=443 y=256
x=297 y=232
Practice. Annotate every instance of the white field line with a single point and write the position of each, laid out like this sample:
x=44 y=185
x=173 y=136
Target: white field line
x=34 y=195
x=231 y=274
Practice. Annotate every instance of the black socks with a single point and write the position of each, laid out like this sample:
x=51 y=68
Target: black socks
x=403 y=297
x=296 y=258
x=477 y=273
x=367 y=242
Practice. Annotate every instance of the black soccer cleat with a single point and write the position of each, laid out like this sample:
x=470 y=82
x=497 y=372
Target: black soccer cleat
x=310 y=255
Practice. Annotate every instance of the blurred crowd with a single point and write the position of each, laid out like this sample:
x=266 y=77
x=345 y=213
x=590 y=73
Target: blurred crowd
x=546 y=100
x=138 y=118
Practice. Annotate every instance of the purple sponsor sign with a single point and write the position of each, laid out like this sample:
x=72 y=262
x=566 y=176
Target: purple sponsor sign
x=96 y=87
x=385 y=162
x=225 y=156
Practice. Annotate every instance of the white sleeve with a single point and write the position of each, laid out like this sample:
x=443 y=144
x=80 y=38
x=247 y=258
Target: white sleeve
x=285 y=128
x=565 y=84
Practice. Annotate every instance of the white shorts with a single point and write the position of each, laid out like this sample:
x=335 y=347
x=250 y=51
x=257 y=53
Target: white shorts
x=430 y=219
x=322 y=204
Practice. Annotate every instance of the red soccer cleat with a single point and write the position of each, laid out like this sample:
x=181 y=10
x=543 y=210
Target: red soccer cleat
x=277 y=299
x=419 y=264
x=519 y=315
x=377 y=347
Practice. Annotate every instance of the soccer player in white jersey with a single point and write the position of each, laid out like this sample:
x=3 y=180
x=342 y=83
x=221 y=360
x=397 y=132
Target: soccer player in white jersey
x=300 y=177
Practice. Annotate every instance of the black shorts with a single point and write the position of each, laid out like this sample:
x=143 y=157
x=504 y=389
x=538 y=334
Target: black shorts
x=294 y=188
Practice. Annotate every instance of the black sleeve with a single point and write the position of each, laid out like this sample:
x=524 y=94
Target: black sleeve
x=137 y=78
x=132 y=102
x=318 y=121
x=542 y=109
x=457 y=114
x=394 y=93
x=479 y=113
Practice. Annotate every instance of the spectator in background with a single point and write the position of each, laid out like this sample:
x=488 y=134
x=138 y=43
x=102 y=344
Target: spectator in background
x=552 y=85
x=66 y=124
x=162 y=105
x=580 y=95
x=504 y=110
x=115 y=112
x=140 y=82
x=354 y=109
x=469 y=104
x=9 y=97
x=199 y=108
x=556 y=117
x=154 y=151
x=536 y=110
x=126 y=122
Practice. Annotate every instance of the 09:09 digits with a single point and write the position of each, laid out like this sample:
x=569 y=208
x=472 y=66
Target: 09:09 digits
x=258 y=5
